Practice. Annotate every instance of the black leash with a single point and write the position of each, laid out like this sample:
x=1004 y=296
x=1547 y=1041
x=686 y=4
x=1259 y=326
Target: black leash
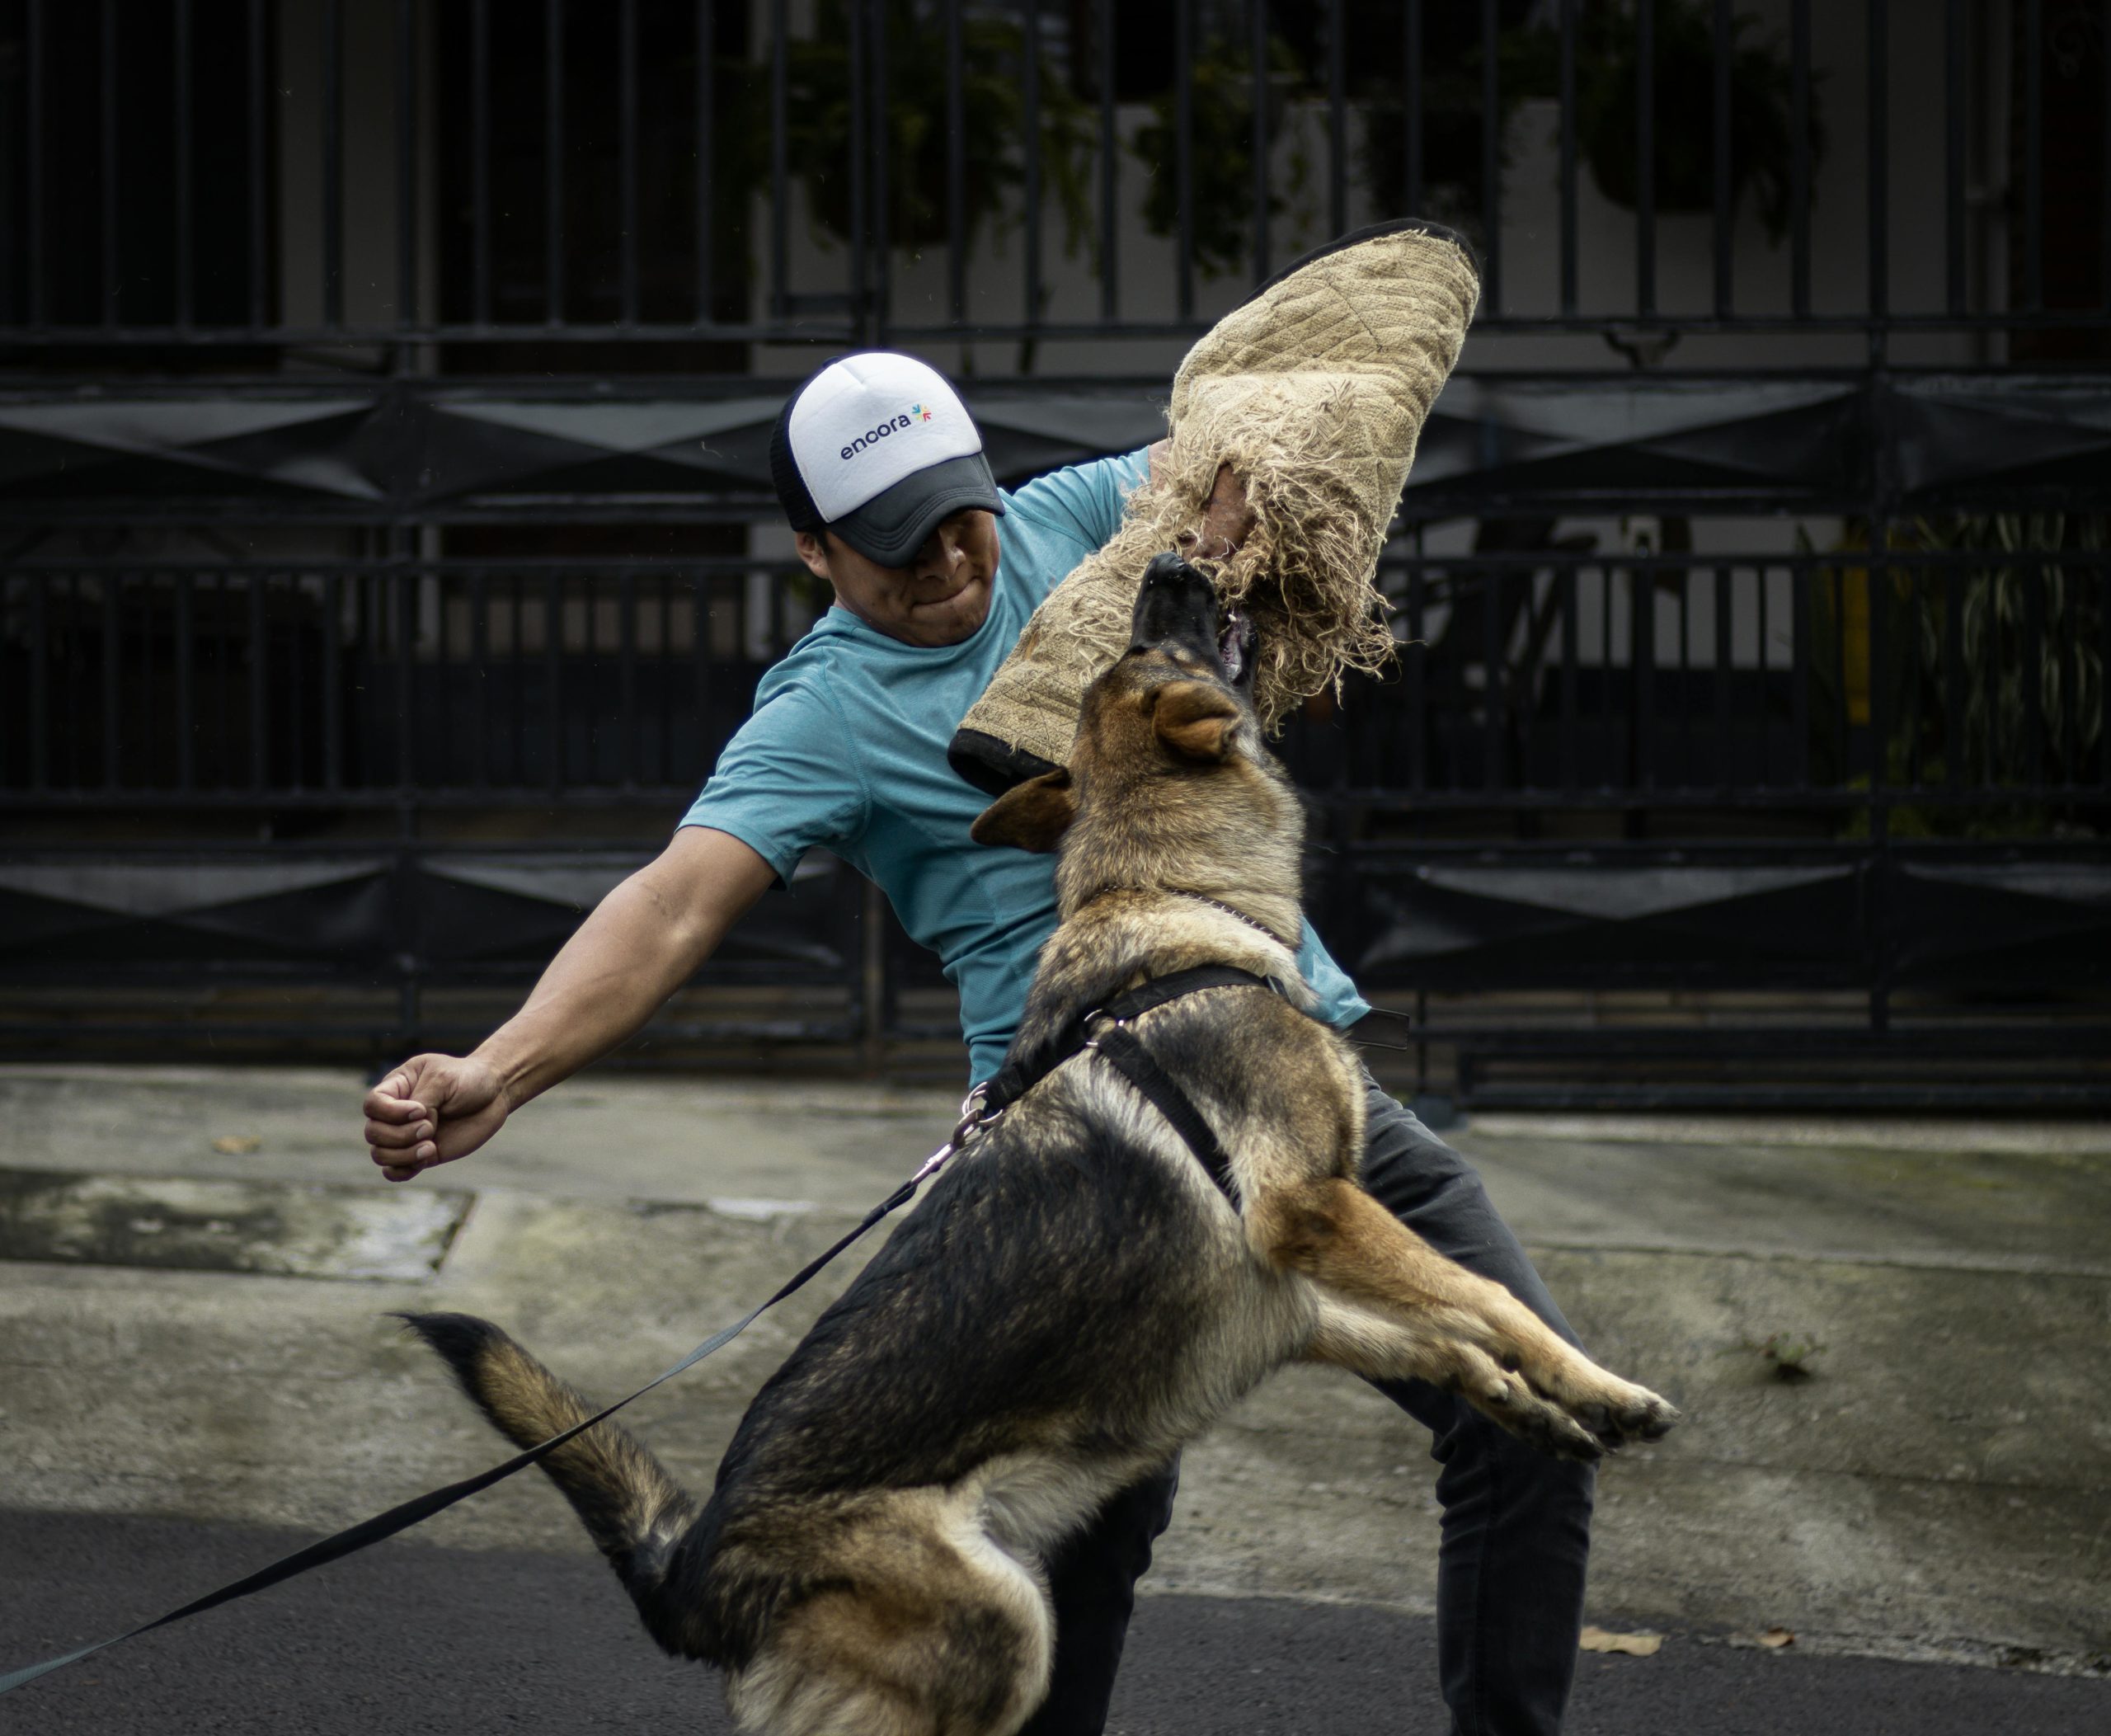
x=988 y=1101
x=411 y=1512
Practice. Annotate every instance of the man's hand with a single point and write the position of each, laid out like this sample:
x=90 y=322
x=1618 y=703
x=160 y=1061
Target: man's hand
x=640 y=944
x=431 y=1110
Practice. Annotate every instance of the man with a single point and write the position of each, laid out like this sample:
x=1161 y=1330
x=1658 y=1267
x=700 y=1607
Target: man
x=935 y=572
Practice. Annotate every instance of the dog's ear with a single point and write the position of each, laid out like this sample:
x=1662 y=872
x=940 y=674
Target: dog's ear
x=1195 y=719
x=1032 y=816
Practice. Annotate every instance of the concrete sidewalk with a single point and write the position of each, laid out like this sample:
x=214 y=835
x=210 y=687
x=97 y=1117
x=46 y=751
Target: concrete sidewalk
x=196 y=1332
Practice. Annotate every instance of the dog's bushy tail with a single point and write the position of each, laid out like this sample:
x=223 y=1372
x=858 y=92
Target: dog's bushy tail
x=638 y=1515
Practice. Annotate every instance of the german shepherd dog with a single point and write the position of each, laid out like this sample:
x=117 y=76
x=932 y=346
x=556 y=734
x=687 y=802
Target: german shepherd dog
x=1074 y=1299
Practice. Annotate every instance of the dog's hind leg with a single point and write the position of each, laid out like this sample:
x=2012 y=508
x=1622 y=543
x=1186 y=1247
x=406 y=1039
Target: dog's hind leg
x=932 y=1630
x=1393 y=1307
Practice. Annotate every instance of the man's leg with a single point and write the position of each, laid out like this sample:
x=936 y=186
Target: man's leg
x=1517 y=1535
x=1094 y=1581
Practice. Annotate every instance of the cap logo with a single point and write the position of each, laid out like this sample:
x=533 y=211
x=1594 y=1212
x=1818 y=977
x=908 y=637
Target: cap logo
x=873 y=436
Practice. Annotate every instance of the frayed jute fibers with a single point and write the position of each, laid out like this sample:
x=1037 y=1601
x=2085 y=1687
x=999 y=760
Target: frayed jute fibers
x=1315 y=392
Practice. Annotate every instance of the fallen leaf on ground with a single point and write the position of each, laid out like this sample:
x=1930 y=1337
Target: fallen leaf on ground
x=1777 y=1637
x=236 y=1144
x=1634 y=1645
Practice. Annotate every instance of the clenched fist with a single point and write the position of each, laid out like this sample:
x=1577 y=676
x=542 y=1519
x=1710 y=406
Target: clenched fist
x=431 y=1110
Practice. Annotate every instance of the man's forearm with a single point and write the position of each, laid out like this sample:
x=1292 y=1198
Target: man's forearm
x=642 y=942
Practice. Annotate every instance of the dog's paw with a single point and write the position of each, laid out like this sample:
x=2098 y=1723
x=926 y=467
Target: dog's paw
x=1509 y=1398
x=1620 y=1413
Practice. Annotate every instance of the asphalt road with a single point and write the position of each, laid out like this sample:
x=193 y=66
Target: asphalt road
x=410 y=1638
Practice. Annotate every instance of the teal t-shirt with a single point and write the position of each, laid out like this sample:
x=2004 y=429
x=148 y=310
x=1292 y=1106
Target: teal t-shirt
x=846 y=751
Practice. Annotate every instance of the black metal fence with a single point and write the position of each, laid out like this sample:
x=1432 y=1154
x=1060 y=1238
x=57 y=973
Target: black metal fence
x=384 y=398
x=215 y=173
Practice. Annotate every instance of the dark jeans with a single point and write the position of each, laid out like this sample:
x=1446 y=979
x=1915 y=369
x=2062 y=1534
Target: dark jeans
x=1517 y=1533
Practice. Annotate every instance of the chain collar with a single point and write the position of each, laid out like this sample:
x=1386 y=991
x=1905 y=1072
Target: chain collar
x=1215 y=904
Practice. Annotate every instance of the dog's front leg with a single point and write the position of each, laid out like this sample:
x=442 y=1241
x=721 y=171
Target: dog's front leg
x=1392 y=1307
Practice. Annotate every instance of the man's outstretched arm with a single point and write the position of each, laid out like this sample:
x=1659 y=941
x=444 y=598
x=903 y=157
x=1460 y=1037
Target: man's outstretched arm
x=642 y=942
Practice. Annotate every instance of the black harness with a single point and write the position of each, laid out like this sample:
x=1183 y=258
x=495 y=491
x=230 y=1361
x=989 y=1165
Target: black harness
x=1105 y=1031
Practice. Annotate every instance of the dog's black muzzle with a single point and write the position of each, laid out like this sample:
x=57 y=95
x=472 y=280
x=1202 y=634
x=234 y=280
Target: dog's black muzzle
x=1177 y=605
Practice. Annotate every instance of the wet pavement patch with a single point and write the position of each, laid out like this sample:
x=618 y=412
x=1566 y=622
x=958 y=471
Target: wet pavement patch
x=279 y=1229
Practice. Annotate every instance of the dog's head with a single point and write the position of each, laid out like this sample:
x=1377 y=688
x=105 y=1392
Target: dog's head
x=1167 y=780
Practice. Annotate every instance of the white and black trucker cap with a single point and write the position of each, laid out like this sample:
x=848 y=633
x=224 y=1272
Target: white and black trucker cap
x=879 y=449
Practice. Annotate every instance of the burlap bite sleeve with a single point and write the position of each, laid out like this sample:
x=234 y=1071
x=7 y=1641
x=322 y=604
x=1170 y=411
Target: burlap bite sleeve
x=1315 y=392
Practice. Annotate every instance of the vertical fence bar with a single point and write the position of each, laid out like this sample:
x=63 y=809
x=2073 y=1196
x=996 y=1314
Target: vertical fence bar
x=1259 y=50
x=1799 y=158
x=882 y=140
x=1642 y=602
x=187 y=655
x=1880 y=207
x=407 y=670
x=780 y=169
x=113 y=295
x=861 y=302
x=1110 y=167
x=333 y=717
x=554 y=162
x=626 y=156
x=1337 y=120
x=1879 y=782
x=39 y=655
x=1411 y=109
x=1765 y=707
x=1725 y=674
x=2033 y=155
x=626 y=675
x=260 y=659
x=1879 y=589
x=1725 y=51
x=480 y=162
x=113 y=600
x=1606 y=595
x=1954 y=121
x=707 y=42
x=32 y=181
x=184 y=203
x=258 y=84
x=1686 y=675
x=1645 y=156
x=333 y=164
x=2034 y=576
x=1567 y=581
x=553 y=677
x=407 y=164
x=1494 y=657
x=1568 y=149
x=1030 y=49
x=1418 y=674
x=663 y=681
x=1844 y=738
x=1183 y=151
x=294 y=679
x=73 y=733
x=480 y=656
x=1491 y=156
x=956 y=166
x=1955 y=748
x=700 y=665
x=2104 y=652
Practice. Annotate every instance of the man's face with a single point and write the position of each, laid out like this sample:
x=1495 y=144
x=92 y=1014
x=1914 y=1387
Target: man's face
x=940 y=597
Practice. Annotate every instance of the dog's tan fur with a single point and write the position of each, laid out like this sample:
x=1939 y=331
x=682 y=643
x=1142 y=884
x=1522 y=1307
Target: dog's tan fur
x=1045 y=1341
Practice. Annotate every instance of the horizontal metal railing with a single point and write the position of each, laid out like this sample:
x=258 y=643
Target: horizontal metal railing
x=657 y=172
x=1943 y=681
